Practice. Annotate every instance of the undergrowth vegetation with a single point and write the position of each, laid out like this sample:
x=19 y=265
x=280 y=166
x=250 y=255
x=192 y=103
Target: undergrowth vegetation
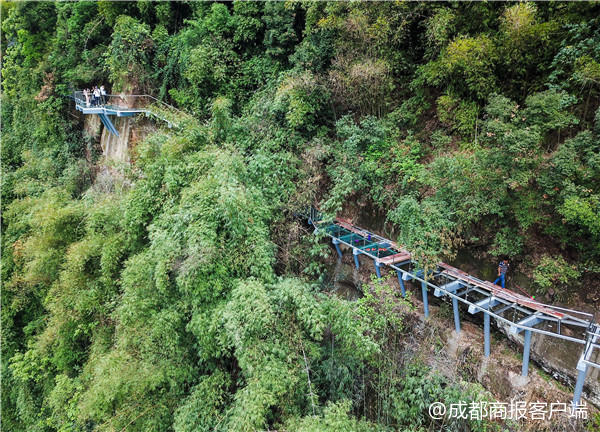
x=180 y=294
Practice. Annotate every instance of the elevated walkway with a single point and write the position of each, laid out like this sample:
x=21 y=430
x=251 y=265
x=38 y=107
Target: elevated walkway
x=520 y=313
x=123 y=105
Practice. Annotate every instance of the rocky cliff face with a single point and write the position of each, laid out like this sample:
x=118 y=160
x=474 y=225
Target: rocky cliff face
x=117 y=148
x=92 y=125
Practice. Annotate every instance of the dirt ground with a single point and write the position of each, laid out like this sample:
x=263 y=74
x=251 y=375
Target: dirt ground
x=460 y=357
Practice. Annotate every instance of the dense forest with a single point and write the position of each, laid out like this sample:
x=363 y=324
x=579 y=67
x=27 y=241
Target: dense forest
x=179 y=292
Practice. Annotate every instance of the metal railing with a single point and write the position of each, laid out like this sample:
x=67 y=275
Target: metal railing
x=478 y=295
x=122 y=101
x=592 y=343
x=129 y=103
x=578 y=319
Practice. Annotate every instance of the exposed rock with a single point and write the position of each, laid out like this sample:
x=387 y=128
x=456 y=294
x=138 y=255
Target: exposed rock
x=114 y=147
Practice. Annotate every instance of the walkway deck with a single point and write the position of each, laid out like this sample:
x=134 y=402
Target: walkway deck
x=518 y=312
x=109 y=110
x=122 y=105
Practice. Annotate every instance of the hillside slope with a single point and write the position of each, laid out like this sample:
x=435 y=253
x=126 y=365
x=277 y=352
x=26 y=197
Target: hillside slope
x=182 y=294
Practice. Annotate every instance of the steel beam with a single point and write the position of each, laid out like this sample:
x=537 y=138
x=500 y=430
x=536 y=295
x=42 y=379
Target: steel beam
x=579 y=385
x=377 y=269
x=465 y=291
x=526 y=349
x=408 y=276
x=336 y=243
x=584 y=361
x=449 y=287
x=504 y=308
x=456 y=314
x=108 y=124
x=486 y=334
x=401 y=282
x=529 y=321
x=347 y=238
x=482 y=305
x=425 y=300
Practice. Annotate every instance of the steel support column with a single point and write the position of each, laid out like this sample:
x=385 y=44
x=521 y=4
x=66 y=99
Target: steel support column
x=425 y=300
x=459 y=285
x=336 y=243
x=377 y=269
x=526 y=348
x=356 y=252
x=456 y=314
x=486 y=334
x=579 y=385
x=108 y=124
x=401 y=282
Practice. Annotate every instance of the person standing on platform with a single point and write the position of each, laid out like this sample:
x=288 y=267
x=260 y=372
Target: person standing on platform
x=97 y=95
x=103 y=95
x=502 y=269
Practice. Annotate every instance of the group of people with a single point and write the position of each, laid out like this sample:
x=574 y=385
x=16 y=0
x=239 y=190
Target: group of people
x=95 y=97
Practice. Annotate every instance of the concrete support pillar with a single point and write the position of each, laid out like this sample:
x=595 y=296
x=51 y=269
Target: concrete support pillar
x=425 y=300
x=377 y=269
x=336 y=243
x=579 y=385
x=526 y=349
x=356 y=252
x=401 y=282
x=456 y=314
x=486 y=334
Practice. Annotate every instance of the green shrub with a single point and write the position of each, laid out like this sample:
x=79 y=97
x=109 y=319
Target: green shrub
x=128 y=56
x=508 y=242
x=465 y=67
x=439 y=140
x=459 y=115
x=303 y=99
x=553 y=272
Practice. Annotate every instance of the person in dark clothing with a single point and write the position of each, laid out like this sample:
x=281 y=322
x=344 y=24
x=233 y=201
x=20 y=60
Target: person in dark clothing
x=96 y=96
x=102 y=95
x=502 y=269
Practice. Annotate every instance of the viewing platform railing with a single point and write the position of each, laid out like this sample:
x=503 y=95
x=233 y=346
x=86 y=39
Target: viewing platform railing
x=121 y=102
x=126 y=105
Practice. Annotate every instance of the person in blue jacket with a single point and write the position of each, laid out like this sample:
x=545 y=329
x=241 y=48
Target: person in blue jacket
x=502 y=269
